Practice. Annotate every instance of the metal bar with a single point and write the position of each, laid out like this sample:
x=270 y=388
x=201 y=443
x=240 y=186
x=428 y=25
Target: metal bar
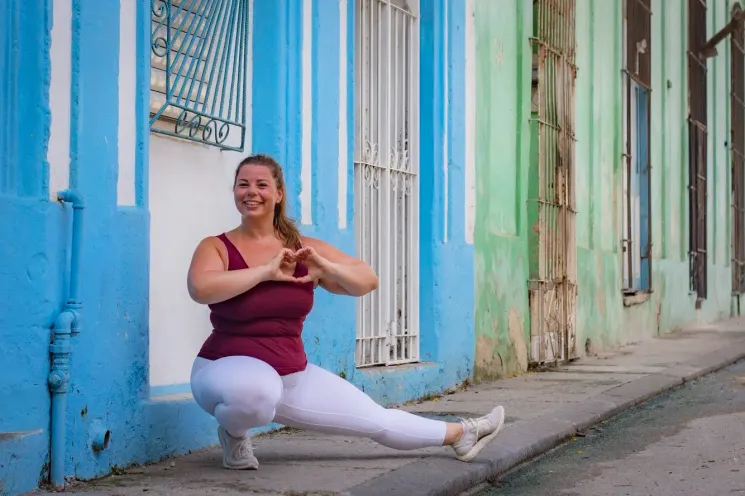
x=708 y=50
x=737 y=117
x=184 y=48
x=637 y=80
x=185 y=53
x=221 y=51
x=386 y=220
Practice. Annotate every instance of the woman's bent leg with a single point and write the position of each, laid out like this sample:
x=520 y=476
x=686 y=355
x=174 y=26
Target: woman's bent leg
x=318 y=400
x=241 y=393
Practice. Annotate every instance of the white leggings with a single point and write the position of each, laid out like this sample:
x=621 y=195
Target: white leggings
x=242 y=392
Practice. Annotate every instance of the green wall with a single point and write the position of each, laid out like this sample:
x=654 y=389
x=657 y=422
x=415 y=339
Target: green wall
x=602 y=315
x=503 y=65
x=502 y=163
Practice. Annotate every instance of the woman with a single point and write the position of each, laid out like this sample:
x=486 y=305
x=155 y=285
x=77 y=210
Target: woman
x=258 y=281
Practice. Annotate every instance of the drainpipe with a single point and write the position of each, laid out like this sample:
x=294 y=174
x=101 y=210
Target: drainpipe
x=66 y=324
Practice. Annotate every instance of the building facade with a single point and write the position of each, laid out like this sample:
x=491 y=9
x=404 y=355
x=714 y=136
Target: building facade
x=518 y=173
x=126 y=122
x=609 y=172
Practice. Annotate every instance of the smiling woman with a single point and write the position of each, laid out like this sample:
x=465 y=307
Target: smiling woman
x=258 y=281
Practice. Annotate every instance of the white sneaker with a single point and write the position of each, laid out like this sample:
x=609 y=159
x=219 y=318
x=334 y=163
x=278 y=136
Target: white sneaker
x=477 y=433
x=237 y=453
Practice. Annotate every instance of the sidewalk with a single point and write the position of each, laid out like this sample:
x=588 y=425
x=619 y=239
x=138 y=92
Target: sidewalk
x=543 y=410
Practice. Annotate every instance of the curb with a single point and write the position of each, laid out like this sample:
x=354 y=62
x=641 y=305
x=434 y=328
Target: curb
x=521 y=442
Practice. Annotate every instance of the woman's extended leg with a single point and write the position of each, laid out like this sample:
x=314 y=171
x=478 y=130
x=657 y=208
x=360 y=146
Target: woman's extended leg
x=318 y=400
x=241 y=393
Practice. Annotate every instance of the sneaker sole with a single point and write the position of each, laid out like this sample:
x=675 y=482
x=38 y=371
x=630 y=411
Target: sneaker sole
x=249 y=465
x=481 y=444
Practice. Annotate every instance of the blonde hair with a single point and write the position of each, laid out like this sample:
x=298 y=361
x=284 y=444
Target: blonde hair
x=284 y=226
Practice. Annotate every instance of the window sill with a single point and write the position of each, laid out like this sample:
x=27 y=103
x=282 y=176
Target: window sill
x=404 y=367
x=632 y=299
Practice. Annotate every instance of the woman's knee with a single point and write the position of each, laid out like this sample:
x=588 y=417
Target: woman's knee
x=249 y=412
x=245 y=386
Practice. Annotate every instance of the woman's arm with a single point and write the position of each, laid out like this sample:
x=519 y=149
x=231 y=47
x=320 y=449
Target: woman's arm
x=340 y=273
x=210 y=282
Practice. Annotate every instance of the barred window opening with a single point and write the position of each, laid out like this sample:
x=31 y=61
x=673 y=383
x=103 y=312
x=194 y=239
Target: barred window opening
x=199 y=67
x=386 y=175
x=697 y=146
x=737 y=116
x=636 y=237
x=552 y=192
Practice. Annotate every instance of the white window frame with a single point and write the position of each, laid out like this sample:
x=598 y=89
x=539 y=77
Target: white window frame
x=631 y=202
x=387 y=81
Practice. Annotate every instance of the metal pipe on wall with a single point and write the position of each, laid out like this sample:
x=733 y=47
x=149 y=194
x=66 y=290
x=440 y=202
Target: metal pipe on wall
x=66 y=324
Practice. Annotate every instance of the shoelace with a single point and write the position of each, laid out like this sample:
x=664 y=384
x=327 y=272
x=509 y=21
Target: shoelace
x=471 y=424
x=243 y=449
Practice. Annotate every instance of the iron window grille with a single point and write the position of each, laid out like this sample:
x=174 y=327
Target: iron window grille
x=386 y=178
x=199 y=70
x=697 y=146
x=636 y=239
x=552 y=192
x=737 y=116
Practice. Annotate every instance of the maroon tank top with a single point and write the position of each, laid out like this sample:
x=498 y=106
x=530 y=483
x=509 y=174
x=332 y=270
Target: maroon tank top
x=265 y=322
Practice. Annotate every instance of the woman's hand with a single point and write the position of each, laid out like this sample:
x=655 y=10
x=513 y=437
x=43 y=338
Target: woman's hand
x=209 y=281
x=334 y=270
x=275 y=268
x=318 y=267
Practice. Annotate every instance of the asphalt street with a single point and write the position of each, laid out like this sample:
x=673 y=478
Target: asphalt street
x=689 y=441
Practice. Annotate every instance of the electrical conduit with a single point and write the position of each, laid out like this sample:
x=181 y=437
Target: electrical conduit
x=66 y=324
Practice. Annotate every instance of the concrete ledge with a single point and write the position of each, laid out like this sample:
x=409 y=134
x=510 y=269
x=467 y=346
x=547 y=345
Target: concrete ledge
x=585 y=414
x=716 y=359
x=445 y=476
x=641 y=389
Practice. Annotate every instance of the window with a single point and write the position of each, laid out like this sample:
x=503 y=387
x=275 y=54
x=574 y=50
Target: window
x=552 y=198
x=386 y=183
x=199 y=68
x=697 y=137
x=737 y=114
x=636 y=239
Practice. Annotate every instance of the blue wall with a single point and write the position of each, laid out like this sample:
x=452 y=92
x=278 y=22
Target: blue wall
x=32 y=247
x=109 y=375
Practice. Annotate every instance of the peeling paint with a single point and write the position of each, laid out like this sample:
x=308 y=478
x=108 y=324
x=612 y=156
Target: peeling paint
x=502 y=140
x=502 y=248
x=110 y=385
x=488 y=362
x=517 y=337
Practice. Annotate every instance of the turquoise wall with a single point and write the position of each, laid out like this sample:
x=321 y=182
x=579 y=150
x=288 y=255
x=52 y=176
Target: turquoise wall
x=602 y=315
x=33 y=239
x=502 y=77
x=503 y=165
x=109 y=388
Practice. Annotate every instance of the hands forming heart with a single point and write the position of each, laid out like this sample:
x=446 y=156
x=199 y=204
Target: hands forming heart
x=317 y=265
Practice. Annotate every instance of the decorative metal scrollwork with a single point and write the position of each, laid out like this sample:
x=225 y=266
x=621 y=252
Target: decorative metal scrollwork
x=200 y=52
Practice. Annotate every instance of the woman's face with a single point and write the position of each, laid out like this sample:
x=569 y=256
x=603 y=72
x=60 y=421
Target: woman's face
x=256 y=192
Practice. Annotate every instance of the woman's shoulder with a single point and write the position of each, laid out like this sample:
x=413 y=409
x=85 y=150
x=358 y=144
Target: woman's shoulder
x=216 y=241
x=214 y=244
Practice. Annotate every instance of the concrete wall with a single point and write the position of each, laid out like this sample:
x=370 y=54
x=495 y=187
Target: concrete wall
x=64 y=130
x=502 y=87
x=190 y=181
x=87 y=128
x=602 y=315
x=33 y=243
x=502 y=99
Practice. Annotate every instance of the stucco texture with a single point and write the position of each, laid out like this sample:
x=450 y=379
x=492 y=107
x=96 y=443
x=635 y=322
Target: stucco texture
x=502 y=77
x=110 y=389
x=501 y=246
